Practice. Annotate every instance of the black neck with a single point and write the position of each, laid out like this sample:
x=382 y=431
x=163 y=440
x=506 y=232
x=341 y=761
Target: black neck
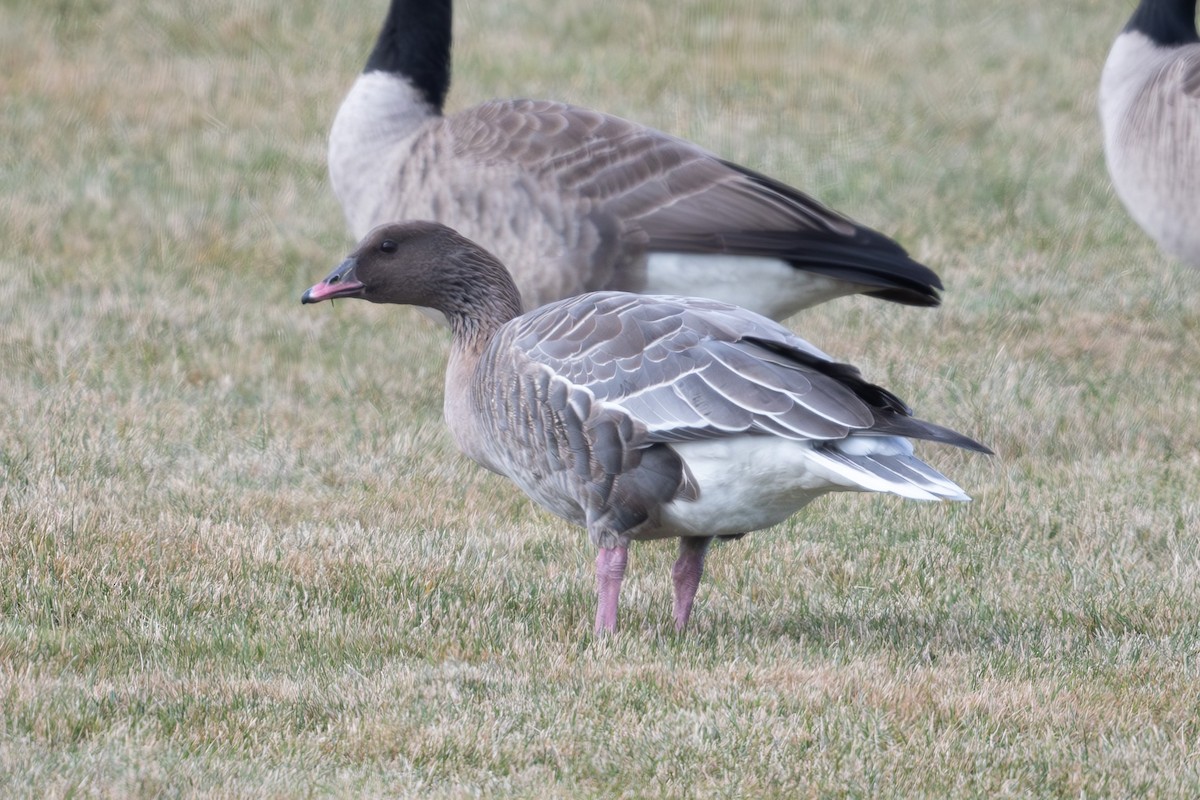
x=414 y=43
x=1166 y=22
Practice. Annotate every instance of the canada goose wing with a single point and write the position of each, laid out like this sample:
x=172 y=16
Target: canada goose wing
x=1189 y=76
x=1170 y=92
x=638 y=173
x=666 y=194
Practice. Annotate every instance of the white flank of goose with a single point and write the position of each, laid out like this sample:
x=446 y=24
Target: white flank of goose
x=1150 y=110
x=643 y=417
x=575 y=200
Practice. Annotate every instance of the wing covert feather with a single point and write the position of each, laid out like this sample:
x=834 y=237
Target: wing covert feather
x=674 y=191
x=683 y=368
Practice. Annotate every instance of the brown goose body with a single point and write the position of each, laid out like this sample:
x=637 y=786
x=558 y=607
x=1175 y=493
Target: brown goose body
x=576 y=200
x=642 y=417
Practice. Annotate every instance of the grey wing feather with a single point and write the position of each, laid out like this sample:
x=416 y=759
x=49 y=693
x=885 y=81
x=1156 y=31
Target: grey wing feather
x=597 y=404
x=687 y=369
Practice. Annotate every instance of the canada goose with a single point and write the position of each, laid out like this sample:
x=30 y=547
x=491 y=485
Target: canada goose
x=575 y=200
x=1150 y=109
x=641 y=416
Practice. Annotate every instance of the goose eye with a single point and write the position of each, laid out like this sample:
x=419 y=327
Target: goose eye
x=387 y=246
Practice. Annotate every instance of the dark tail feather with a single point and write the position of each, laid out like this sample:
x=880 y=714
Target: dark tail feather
x=868 y=257
x=915 y=428
x=892 y=415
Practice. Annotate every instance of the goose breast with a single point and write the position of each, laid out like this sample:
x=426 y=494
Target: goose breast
x=1150 y=110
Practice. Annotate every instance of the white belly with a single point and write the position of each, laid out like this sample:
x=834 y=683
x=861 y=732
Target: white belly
x=769 y=286
x=752 y=482
x=746 y=484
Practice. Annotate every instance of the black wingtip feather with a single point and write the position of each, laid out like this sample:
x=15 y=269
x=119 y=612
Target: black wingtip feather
x=892 y=415
x=932 y=432
x=868 y=257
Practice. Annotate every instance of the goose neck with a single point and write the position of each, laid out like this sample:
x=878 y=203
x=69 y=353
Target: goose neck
x=1168 y=23
x=414 y=42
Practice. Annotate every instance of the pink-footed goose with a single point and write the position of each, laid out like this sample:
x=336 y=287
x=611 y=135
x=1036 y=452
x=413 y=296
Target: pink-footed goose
x=643 y=417
x=575 y=200
x=1150 y=110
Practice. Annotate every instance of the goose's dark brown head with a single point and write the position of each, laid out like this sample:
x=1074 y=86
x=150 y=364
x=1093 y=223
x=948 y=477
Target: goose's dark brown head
x=424 y=264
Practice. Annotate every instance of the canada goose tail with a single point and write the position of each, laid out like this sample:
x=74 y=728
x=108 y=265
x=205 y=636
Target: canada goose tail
x=864 y=256
x=898 y=277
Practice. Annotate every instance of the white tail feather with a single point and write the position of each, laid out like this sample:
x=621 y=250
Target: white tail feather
x=895 y=472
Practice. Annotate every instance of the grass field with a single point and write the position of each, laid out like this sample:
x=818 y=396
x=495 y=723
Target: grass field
x=239 y=556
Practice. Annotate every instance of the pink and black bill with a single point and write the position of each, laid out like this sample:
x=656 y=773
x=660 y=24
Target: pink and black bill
x=339 y=283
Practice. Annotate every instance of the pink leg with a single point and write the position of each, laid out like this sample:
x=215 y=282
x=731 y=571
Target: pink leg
x=686 y=574
x=610 y=570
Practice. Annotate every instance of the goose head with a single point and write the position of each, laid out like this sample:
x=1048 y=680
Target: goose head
x=429 y=265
